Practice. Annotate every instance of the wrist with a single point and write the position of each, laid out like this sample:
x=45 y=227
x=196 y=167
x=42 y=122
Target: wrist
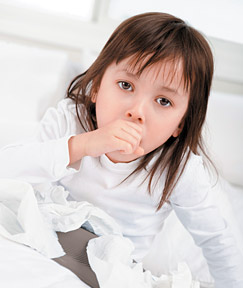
x=76 y=147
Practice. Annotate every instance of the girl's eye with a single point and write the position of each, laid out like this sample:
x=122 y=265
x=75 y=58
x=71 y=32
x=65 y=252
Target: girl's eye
x=125 y=85
x=163 y=102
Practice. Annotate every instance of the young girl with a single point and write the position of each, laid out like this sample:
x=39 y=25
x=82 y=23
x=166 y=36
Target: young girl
x=128 y=139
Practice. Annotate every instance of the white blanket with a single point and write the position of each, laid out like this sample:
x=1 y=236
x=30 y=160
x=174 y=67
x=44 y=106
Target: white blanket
x=31 y=217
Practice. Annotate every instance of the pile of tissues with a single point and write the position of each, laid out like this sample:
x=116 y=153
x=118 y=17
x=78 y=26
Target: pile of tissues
x=32 y=217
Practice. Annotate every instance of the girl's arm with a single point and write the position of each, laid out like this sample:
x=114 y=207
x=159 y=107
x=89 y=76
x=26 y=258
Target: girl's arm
x=194 y=206
x=45 y=157
x=60 y=144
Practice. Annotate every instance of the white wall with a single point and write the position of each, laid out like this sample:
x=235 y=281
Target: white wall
x=83 y=40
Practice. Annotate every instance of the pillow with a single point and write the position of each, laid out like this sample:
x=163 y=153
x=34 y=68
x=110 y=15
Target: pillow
x=32 y=79
x=224 y=135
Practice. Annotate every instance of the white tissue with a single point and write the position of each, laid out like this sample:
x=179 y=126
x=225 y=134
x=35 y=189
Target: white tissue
x=64 y=216
x=31 y=218
x=21 y=220
x=110 y=258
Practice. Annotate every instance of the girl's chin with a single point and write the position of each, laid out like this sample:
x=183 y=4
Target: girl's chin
x=118 y=157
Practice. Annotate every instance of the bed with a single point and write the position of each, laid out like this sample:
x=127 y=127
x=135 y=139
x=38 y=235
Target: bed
x=46 y=73
x=21 y=266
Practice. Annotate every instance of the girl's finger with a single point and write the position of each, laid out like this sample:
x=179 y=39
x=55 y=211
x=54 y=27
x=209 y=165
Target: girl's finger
x=134 y=126
x=129 y=136
x=123 y=146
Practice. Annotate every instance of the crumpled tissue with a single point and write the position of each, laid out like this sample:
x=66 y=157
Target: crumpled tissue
x=110 y=257
x=32 y=217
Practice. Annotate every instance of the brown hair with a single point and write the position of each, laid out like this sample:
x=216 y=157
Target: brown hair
x=151 y=38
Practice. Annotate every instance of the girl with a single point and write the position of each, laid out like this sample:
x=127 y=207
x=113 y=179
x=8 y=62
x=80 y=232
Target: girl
x=128 y=139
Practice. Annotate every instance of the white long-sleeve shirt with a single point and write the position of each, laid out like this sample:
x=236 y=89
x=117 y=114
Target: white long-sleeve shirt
x=99 y=181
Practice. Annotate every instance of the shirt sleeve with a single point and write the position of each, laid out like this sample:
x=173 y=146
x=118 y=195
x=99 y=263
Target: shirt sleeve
x=45 y=157
x=193 y=203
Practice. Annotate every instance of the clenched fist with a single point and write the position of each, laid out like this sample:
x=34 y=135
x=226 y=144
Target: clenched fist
x=120 y=135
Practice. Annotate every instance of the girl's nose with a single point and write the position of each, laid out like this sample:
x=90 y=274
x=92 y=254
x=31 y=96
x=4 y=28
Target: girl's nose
x=136 y=114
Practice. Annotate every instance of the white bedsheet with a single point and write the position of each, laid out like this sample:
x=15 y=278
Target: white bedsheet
x=23 y=267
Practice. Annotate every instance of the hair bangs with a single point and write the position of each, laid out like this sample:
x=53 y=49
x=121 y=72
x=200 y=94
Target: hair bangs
x=142 y=61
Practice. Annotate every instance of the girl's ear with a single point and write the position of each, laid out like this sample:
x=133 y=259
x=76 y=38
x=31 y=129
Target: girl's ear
x=93 y=97
x=178 y=130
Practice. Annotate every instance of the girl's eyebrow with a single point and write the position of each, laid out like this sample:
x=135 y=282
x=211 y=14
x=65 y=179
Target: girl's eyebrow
x=129 y=73
x=169 y=89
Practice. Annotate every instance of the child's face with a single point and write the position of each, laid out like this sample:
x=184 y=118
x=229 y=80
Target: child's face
x=156 y=101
